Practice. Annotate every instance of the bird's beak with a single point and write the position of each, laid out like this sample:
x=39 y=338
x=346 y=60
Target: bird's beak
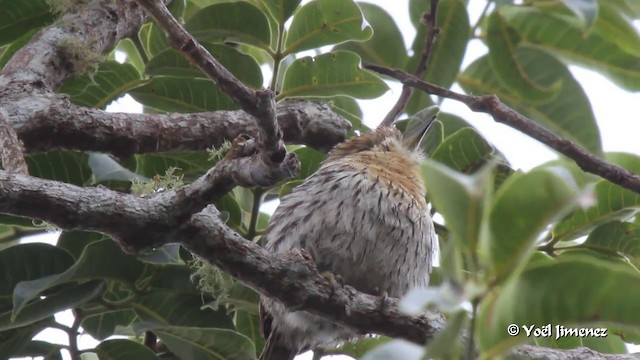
x=418 y=126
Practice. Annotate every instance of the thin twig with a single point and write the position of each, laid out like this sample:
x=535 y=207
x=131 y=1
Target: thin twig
x=429 y=20
x=502 y=113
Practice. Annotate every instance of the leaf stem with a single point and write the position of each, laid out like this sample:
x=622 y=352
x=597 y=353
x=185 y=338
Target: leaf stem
x=255 y=213
x=277 y=59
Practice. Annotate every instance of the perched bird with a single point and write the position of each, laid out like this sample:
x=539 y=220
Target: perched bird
x=362 y=216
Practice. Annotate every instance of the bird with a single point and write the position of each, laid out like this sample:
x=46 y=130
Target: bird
x=364 y=219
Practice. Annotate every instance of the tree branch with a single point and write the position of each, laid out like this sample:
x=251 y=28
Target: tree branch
x=70 y=45
x=259 y=103
x=10 y=148
x=429 y=20
x=52 y=122
x=502 y=113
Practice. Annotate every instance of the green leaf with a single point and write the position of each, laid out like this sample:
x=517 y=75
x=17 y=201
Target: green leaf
x=123 y=349
x=548 y=194
x=191 y=163
x=248 y=324
x=192 y=343
x=503 y=42
x=231 y=21
x=69 y=167
x=178 y=94
x=334 y=73
x=358 y=348
x=19 y=17
x=156 y=39
x=16 y=45
x=618 y=237
x=310 y=161
x=612 y=203
x=98 y=89
x=164 y=255
x=38 y=310
x=446 y=343
x=459 y=198
x=465 y=151
x=280 y=10
x=446 y=53
x=28 y=262
x=74 y=241
x=560 y=35
x=585 y=10
x=13 y=341
x=326 y=22
x=172 y=63
x=386 y=46
x=132 y=54
x=167 y=308
x=105 y=168
x=568 y=115
x=96 y=262
x=37 y=348
x=104 y=325
x=525 y=300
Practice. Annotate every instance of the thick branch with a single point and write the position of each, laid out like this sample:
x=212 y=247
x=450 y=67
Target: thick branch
x=10 y=148
x=72 y=44
x=52 y=122
x=502 y=113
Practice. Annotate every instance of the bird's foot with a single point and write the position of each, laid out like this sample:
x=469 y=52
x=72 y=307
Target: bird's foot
x=334 y=279
x=384 y=295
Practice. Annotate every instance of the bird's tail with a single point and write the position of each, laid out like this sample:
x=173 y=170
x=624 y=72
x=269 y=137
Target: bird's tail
x=276 y=349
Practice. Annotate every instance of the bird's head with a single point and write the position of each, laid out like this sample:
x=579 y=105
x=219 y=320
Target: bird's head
x=387 y=139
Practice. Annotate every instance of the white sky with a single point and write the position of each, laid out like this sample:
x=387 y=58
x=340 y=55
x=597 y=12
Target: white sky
x=616 y=111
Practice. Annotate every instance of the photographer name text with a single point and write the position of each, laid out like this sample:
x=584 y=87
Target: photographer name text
x=557 y=331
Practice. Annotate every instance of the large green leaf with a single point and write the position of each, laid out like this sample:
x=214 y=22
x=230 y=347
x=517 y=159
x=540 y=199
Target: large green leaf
x=618 y=237
x=236 y=21
x=386 y=46
x=548 y=194
x=248 y=324
x=571 y=291
x=69 y=167
x=172 y=63
x=564 y=37
x=192 y=343
x=446 y=53
x=465 y=151
x=503 y=43
x=190 y=163
x=96 y=262
x=97 y=89
x=123 y=349
x=310 y=161
x=103 y=325
x=585 y=10
x=69 y=297
x=459 y=198
x=28 y=262
x=19 y=17
x=16 y=45
x=165 y=307
x=179 y=94
x=280 y=10
x=612 y=203
x=326 y=22
x=13 y=341
x=569 y=114
x=334 y=73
